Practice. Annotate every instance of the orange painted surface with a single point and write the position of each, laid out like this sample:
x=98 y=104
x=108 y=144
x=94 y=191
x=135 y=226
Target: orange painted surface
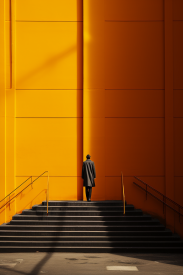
x=177 y=101
x=8 y=54
x=103 y=87
x=178 y=148
x=123 y=103
x=55 y=10
x=169 y=127
x=132 y=10
x=177 y=10
x=44 y=123
x=126 y=110
x=2 y=114
x=7 y=13
x=53 y=143
x=178 y=54
x=56 y=103
x=49 y=95
x=130 y=142
x=134 y=55
x=178 y=185
x=93 y=92
x=49 y=56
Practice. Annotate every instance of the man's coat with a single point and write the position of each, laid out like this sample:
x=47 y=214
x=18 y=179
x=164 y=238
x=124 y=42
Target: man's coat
x=88 y=173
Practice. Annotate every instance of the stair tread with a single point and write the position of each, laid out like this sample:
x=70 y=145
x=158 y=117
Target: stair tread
x=141 y=216
x=89 y=204
x=15 y=225
x=83 y=206
x=41 y=221
x=92 y=237
x=73 y=226
x=89 y=211
x=93 y=242
x=91 y=247
x=82 y=231
x=80 y=201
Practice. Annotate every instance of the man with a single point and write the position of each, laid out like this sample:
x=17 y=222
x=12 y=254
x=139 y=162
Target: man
x=88 y=175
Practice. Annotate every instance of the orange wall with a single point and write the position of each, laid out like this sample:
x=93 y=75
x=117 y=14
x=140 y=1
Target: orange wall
x=99 y=77
x=49 y=93
x=43 y=107
x=133 y=99
x=2 y=112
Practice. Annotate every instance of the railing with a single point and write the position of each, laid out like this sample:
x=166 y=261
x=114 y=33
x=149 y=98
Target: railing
x=165 y=199
x=47 y=194
x=123 y=193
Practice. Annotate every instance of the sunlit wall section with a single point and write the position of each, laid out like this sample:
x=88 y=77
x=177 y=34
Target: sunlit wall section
x=94 y=92
x=2 y=113
x=49 y=94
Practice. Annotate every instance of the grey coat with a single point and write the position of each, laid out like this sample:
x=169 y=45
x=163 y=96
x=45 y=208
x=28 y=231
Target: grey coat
x=88 y=173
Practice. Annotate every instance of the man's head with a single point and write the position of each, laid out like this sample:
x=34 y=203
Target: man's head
x=88 y=156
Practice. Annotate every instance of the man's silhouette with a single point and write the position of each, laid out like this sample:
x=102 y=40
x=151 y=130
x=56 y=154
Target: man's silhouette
x=88 y=175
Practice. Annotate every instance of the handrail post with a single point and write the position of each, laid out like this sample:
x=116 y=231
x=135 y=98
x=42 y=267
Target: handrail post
x=47 y=192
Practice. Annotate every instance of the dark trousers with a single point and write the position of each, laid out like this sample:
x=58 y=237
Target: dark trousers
x=88 y=190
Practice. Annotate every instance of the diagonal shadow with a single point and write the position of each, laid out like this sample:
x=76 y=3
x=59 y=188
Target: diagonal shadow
x=48 y=63
x=35 y=270
x=38 y=267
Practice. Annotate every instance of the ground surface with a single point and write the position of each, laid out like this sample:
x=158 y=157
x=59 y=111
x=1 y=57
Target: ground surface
x=86 y=264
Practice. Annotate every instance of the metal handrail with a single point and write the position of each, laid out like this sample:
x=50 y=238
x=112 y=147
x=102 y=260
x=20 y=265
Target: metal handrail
x=164 y=197
x=159 y=193
x=16 y=188
x=47 y=197
x=123 y=194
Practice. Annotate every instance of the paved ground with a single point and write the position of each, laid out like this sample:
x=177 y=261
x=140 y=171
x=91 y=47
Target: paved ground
x=89 y=264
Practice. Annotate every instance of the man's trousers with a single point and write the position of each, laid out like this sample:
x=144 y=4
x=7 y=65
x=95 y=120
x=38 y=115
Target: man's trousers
x=88 y=190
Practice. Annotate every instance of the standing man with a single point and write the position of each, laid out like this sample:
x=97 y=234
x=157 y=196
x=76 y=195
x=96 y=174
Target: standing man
x=88 y=175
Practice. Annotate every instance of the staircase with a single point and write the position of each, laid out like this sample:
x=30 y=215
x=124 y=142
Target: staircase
x=78 y=226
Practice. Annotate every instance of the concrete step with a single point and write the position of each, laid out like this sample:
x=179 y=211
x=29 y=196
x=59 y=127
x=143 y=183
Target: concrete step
x=90 y=238
x=83 y=203
x=84 y=223
x=73 y=226
x=89 y=249
x=83 y=228
x=81 y=218
x=88 y=207
x=82 y=213
x=23 y=232
x=93 y=243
